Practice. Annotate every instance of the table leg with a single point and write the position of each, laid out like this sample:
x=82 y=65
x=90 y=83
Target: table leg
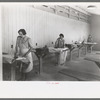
x=40 y=65
x=13 y=67
x=78 y=52
x=91 y=49
x=85 y=50
x=70 y=55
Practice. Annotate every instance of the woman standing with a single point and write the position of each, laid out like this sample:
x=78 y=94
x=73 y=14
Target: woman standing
x=23 y=45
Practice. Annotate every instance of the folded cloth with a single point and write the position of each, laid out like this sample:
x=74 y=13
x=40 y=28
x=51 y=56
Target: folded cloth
x=9 y=58
x=52 y=49
x=20 y=58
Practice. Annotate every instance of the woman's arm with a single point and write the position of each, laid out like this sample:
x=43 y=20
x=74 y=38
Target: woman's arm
x=31 y=48
x=16 y=49
x=31 y=45
x=64 y=43
x=56 y=44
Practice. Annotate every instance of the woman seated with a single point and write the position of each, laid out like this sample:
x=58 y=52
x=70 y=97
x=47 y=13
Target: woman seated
x=61 y=56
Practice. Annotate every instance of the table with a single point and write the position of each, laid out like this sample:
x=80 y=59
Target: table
x=41 y=53
x=74 y=46
x=79 y=46
x=7 y=59
x=89 y=44
x=71 y=48
x=60 y=54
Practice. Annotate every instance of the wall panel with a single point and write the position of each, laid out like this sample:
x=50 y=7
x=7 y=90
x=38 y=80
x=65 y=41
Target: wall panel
x=1 y=21
x=95 y=30
x=43 y=27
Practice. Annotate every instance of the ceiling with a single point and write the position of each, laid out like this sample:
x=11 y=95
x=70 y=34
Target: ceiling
x=84 y=7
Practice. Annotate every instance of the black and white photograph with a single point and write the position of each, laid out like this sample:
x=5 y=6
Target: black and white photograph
x=50 y=41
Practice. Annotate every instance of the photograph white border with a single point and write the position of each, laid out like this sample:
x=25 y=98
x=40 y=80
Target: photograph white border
x=47 y=89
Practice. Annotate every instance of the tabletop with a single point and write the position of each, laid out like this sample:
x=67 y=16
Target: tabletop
x=8 y=59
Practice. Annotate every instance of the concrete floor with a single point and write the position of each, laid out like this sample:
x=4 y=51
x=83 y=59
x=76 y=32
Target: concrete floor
x=51 y=70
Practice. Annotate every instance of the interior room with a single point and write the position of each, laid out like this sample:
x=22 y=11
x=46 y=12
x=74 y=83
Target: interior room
x=44 y=25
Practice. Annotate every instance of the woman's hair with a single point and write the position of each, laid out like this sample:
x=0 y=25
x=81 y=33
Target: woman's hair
x=23 y=31
x=61 y=35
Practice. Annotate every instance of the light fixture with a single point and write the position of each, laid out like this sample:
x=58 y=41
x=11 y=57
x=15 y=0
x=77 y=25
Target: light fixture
x=91 y=7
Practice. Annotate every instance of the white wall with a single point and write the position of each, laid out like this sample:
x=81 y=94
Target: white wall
x=95 y=30
x=0 y=43
x=43 y=27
